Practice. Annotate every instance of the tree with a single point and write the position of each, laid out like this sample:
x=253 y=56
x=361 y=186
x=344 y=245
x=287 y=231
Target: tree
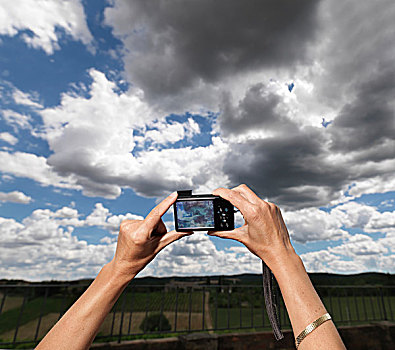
x=155 y=323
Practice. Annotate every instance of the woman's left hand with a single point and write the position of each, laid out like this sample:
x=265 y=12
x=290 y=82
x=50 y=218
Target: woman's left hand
x=140 y=240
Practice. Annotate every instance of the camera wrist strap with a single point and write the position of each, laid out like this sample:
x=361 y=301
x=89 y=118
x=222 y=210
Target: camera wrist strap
x=271 y=300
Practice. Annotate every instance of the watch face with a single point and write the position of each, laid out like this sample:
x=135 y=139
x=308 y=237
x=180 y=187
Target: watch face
x=195 y=214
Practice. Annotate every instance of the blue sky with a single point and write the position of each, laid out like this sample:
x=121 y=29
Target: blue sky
x=108 y=106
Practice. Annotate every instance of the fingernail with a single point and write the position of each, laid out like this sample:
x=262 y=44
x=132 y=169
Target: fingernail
x=174 y=194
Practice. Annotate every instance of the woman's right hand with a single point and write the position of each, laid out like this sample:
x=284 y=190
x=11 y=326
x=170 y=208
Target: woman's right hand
x=264 y=232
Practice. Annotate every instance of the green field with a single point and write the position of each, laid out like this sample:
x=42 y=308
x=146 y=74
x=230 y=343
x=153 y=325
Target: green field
x=187 y=310
x=32 y=310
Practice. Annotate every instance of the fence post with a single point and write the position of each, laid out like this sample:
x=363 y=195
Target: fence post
x=19 y=316
x=131 y=309
x=228 y=310
x=190 y=309
x=3 y=300
x=161 y=309
x=176 y=311
x=383 y=304
x=148 y=295
x=122 y=314
x=43 y=304
x=203 y=307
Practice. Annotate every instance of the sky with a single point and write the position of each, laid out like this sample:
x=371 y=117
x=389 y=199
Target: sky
x=106 y=107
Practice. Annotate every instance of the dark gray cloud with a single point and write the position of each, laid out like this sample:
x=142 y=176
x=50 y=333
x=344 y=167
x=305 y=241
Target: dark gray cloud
x=368 y=122
x=342 y=61
x=173 y=45
x=256 y=110
x=302 y=166
x=295 y=167
x=289 y=167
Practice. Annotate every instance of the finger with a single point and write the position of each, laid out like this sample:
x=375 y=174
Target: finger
x=233 y=234
x=247 y=193
x=234 y=197
x=156 y=213
x=282 y=222
x=171 y=237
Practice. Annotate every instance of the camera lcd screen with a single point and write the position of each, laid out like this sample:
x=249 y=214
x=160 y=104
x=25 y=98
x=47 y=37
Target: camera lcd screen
x=195 y=214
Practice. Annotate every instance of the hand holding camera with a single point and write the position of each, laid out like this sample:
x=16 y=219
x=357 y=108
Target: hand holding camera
x=264 y=232
x=139 y=241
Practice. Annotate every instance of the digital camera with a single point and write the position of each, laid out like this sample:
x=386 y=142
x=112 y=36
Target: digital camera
x=202 y=212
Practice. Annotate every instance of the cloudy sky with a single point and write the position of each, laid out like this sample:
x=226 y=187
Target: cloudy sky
x=108 y=106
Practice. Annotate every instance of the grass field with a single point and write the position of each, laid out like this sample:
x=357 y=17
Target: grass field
x=137 y=304
x=190 y=310
x=32 y=310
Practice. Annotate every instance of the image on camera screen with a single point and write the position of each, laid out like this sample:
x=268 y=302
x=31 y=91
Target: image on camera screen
x=195 y=214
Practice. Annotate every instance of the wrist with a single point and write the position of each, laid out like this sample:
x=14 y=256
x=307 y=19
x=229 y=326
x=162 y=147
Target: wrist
x=117 y=275
x=283 y=261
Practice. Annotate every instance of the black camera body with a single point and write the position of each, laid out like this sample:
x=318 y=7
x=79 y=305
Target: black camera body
x=202 y=212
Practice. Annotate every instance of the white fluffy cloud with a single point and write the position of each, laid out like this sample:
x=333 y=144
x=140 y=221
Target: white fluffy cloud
x=312 y=224
x=26 y=99
x=92 y=146
x=164 y=133
x=47 y=247
x=38 y=22
x=15 y=197
x=353 y=253
x=9 y=138
x=34 y=167
x=16 y=120
x=197 y=255
x=359 y=253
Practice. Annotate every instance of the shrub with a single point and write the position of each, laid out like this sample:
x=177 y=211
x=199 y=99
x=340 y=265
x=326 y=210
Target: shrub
x=155 y=323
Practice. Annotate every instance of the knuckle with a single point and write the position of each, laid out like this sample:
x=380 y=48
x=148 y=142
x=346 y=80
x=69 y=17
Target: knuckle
x=219 y=190
x=138 y=239
x=124 y=224
x=253 y=212
x=137 y=242
x=139 y=236
x=273 y=207
x=231 y=195
x=265 y=206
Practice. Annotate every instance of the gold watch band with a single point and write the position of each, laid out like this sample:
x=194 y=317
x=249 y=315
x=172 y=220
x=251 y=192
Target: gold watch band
x=318 y=322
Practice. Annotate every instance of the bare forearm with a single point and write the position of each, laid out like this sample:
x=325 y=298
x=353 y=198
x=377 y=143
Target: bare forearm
x=138 y=243
x=78 y=327
x=303 y=304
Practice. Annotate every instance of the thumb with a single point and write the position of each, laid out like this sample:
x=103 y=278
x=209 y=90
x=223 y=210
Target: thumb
x=171 y=237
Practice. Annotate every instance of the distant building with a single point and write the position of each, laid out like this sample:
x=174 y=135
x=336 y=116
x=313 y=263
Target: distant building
x=183 y=285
